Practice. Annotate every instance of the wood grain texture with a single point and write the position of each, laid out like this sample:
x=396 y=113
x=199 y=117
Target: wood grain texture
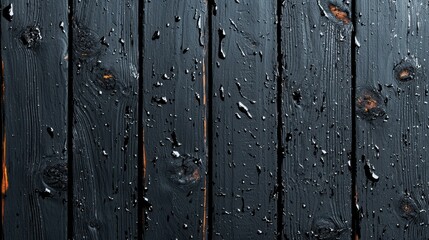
x=105 y=83
x=392 y=121
x=34 y=51
x=317 y=119
x=244 y=120
x=174 y=115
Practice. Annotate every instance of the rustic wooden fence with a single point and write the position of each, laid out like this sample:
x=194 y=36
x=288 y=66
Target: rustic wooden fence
x=219 y=119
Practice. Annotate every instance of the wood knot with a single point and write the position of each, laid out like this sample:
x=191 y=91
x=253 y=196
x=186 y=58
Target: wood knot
x=326 y=228
x=336 y=11
x=87 y=43
x=408 y=209
x=55 y=176
x=339 y=14
x=369 y=104
x=106 y=79
x=185 y=170
x=31 y=36
x=406 y=70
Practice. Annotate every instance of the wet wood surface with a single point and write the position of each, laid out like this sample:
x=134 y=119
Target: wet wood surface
x=174 y=117
x=105 y=139
x=244 y=126
x=392 y=119
x=214 y=119
x=316 y=120
x=34 y=104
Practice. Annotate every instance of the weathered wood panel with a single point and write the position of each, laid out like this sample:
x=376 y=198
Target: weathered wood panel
x=317 y=119
x=105 y=85
x=174 y=115
x=244 y=120
x=34 y=52
x=392 y=119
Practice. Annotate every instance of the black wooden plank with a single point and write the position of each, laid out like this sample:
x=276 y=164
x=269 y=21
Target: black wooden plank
x=34 y=51
x=392 y=119
x=244 y=120
x=105 y=85
x=317 y=115
x=174 y=115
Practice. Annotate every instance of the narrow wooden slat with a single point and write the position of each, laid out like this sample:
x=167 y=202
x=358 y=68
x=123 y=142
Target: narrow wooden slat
x=34 y=52
x=174 y=115
x=245 y=120
x=392 y=119
x=317 y=115
x=105 y=85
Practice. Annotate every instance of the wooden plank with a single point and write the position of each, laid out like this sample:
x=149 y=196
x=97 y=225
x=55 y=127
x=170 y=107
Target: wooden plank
x=105 y=83
x=174 y=115
x=392 y=122
x=34 y=52
x=317 y=116
x=244 y=120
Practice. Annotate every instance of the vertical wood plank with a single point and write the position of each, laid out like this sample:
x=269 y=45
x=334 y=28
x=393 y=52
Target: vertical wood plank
x=392 y=119
x=317 y=115
x=245 y=120
x=34 y=52
x=174 y=115
x=105 y=83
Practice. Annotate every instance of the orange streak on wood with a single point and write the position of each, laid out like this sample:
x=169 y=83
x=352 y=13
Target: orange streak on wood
x=204 y=230
x=107 y=76
x=205 y=130
x=339 y=14
x=5 y=180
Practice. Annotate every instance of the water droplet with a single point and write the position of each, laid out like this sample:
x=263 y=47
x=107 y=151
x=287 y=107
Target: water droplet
x=370 y=172
x=222 y=93
x=175 y=154
x=222 y=36
x=104 y=153
x=50 y=131
x=296 y=96
x=244 y=109
x=62 y=26
x=357 y=42
x=156 y=35
x=104 y=42
x=165 y=76
x=8 y=12
x=160 y=100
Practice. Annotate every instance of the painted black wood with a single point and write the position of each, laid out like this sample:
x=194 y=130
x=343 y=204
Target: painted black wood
x=244 y=120
x=214 y=78
x=392 y=119
x=317 y=119
x=174 y=118
x=105 y=86
x=34 y=54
